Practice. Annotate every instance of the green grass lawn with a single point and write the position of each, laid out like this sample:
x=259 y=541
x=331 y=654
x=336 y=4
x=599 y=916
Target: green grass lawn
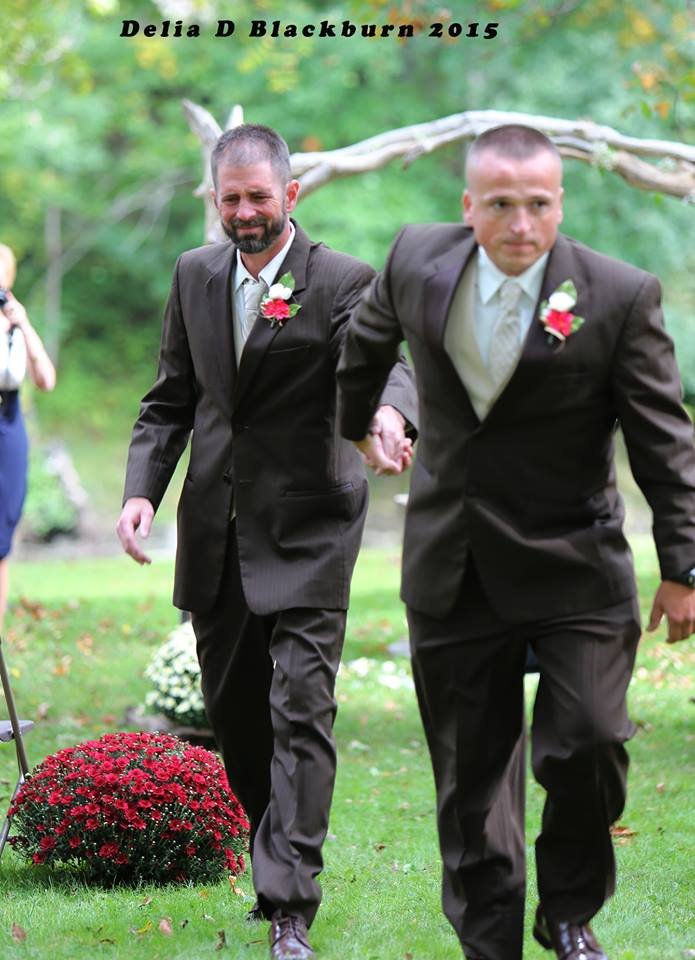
x=78 y=638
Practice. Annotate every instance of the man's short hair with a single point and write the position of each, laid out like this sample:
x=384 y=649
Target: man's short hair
x=250 y=143
x=512 y=140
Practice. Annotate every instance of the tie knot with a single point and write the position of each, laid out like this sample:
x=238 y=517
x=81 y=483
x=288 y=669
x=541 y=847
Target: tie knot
x=510 y=292
x=253 y=291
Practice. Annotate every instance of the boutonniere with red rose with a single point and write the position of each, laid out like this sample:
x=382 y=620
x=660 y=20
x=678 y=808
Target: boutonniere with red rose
x=556 y=313
x=275 y=305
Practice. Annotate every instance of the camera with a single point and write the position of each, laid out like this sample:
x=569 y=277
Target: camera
x=3 y=298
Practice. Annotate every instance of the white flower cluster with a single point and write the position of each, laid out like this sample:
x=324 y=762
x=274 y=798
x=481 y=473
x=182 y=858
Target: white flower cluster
x=389 y=674
x=175 y=673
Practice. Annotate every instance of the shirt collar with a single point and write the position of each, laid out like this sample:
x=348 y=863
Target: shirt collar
x=491 y=278
x=269 y=271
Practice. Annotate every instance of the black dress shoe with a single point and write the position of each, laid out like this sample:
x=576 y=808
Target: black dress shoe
x=570 y=941
x=289 y=939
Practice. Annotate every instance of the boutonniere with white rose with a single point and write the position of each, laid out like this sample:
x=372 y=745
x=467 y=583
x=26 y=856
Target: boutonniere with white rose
x=275 y=306
x=556 y=313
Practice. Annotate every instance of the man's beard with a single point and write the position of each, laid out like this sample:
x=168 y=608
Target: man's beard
x=255 y=244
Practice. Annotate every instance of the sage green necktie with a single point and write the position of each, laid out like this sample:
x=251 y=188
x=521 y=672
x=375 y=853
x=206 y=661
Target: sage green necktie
x=504 y=348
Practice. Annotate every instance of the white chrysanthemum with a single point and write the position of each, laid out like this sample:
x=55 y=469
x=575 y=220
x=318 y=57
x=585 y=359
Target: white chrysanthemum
x=175 y=673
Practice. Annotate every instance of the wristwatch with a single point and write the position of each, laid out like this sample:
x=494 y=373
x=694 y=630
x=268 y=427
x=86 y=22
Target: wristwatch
x=687 y=578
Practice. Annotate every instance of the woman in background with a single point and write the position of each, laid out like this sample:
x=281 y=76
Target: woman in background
x=21 y=352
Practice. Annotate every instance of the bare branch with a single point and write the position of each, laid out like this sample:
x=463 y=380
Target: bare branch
x=580 y=139
x=672 y=173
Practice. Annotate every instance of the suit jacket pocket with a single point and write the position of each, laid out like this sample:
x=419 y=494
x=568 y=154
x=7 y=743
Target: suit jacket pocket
x=320 y=493
x=315 y=517
x=290 y=352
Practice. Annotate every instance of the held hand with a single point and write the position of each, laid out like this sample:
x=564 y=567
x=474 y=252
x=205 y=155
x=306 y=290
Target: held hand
x=386 y=449
x=137 y=514
x=374 y=456
x=678 y=603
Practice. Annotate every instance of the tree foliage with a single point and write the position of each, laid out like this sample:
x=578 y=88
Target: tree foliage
x=92 y=126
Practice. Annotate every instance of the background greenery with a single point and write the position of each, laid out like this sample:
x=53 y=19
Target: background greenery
x=93 y=138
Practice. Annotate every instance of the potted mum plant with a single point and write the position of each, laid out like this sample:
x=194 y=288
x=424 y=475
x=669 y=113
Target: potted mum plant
x=132 y=808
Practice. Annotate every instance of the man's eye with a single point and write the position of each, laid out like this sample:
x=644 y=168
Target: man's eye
x=500 y=205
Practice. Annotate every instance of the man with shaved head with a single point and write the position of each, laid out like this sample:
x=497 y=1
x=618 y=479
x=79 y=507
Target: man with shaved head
x=272 y=507
x=529 y=349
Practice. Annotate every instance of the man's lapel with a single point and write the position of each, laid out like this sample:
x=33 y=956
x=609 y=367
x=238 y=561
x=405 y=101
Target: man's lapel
x=262 y=334
x=440 y=287
x=560 y=267
x=218 y=292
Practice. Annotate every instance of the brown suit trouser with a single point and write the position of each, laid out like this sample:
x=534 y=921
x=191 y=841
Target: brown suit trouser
x=268 y=685
x=469 y=671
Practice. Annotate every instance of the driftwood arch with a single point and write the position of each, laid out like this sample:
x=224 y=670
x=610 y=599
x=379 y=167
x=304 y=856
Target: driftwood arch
x=661 y=166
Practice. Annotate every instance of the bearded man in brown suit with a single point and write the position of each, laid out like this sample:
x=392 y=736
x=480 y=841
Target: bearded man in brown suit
x=272 y=508
x=529 y=349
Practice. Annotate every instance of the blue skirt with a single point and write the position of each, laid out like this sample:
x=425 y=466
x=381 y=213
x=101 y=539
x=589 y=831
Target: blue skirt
x=13 y=467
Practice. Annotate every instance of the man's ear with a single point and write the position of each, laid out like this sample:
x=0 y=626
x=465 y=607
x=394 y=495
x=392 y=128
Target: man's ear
x=214 y=198
x=466 y=208
x=291 y=195
x=561 y=211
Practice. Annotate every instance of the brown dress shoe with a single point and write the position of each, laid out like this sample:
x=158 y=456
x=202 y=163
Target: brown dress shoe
x=289 y=939
x=570 y=941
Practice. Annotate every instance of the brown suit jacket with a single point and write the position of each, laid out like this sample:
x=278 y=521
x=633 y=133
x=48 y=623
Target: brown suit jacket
x=264 y=436
x=529 y=492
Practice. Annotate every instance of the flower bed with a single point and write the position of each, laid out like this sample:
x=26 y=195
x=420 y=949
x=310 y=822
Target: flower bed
x=132 y=807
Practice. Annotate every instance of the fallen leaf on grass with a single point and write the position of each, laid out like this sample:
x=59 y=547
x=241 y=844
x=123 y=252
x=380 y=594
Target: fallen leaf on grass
x=37 y=611
x=408 y=956
x=85 y=645
x=19 y=934
x=236 y=889
x=146 y=902
x=661 y=788
x=622 y=834
x=183 y=924
x=165 y=926
x=62 y=668
x=221 y=940
x=42 y=711
x=379 y=846
x=141 y=931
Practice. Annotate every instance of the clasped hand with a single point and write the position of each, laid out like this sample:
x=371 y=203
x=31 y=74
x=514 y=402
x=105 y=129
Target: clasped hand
x=386 y=449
